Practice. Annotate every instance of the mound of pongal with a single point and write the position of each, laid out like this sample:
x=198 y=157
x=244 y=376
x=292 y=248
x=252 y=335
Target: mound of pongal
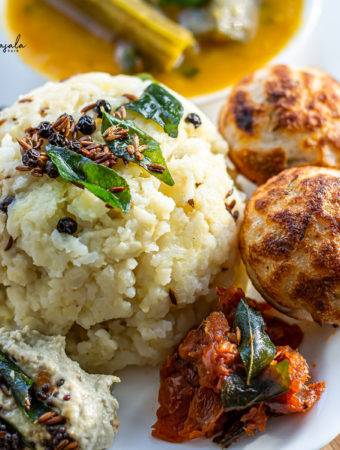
x=122 y=272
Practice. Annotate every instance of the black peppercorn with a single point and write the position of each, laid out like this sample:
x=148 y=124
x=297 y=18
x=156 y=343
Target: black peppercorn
x=42 y=396
x=30 y=157
x=45 y=387
x=86 y=124
x=194 y=119
x=51 y=170
x=67 y=225
x=44 y=130
x=57 y=139
x=5 y=203
x=102 y=104
x=75 y=146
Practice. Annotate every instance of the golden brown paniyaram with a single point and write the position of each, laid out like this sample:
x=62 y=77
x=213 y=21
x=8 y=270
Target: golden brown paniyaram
x=290 y=242
x=280 y=117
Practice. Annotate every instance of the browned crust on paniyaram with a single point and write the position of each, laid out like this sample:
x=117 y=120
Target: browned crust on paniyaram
x=258 y=167
x=290 y=241
x=296 y=110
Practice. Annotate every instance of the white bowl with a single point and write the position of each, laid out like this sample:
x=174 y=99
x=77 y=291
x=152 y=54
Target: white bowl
x=211 y=103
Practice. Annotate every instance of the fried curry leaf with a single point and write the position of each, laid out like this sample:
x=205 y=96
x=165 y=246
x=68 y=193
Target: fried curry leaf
x=20 y=386
x=96 y=178
x=13 y=377
x=159 y=105
x=37 y=409
x=256 y=349
x=151 y=155
x=232 y=429
x=274 y=381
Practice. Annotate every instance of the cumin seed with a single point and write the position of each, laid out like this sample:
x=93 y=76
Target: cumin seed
x=71 y=446
x=135 y=140
x=109 y=130
x=88 y=107
x=141 y=148
x=44 y=417
x=25 y=100
x=117 y=189
x=156 y=166
x=24 y=144
x=131 y=97
x=103 y=159
x=62 y=444
x=139 y=156
x=23 y=168
x=123 y=112
x=130 y=149
x=54 y=420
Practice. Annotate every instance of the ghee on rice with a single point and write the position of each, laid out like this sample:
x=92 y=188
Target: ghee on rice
x=107 y=287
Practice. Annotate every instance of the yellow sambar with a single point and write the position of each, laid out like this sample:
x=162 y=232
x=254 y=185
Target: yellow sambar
x=58 y=47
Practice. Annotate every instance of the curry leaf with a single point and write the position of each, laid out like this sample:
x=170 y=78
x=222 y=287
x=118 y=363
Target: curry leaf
x=37 y=409
x=274 y=381
x=232 y=429
x=18 y=383
x=159 y=105
x=20 y=386
x=256 y=349
x=96 y=178
x=151 y=155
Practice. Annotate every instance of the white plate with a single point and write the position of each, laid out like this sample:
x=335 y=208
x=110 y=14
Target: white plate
x=137 y=394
